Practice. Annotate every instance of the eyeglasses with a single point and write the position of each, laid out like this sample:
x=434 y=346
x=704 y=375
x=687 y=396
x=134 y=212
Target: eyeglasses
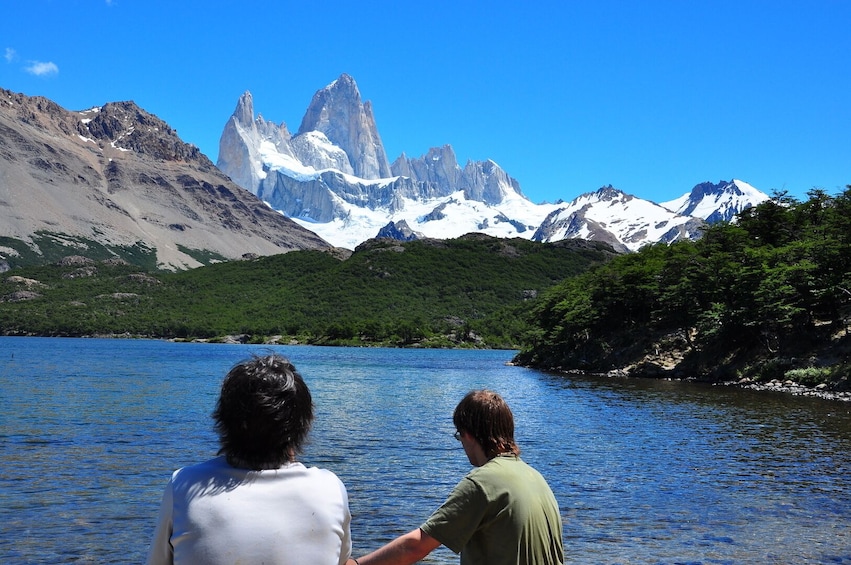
x=457 y=435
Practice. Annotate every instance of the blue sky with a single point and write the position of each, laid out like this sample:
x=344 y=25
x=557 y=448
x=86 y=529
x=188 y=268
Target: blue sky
x=567 y=96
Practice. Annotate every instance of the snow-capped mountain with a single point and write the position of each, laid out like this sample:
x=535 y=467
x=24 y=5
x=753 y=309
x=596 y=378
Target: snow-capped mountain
x=333 y=178
x=624 y=221
x=716 y=202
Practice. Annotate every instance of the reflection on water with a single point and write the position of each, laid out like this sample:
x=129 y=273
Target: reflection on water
x=645 y=471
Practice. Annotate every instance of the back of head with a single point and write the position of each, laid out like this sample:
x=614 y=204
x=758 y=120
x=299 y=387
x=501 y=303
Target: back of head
x=486 y=416
x=263 y=414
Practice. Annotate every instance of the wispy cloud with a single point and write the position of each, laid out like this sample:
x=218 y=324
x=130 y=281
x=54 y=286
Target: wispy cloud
x=10 y=55
x=41 y=69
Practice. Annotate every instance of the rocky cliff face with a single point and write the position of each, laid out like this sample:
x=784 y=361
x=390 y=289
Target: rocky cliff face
x=438 y=167
x=338 y=112
x=241 y=141
x=439 y=173
x=120 y=176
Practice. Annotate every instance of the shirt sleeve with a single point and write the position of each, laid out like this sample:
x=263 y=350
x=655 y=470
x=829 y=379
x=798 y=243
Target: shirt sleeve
x=457 y=519
x=346 y=547
x=161 y=552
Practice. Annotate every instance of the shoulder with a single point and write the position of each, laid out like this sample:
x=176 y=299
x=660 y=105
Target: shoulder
x=310 y=470
x=211 y=467
x=320 y=475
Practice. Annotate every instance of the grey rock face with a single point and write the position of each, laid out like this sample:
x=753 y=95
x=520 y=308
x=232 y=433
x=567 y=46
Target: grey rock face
x=239 y=145
x=438 y=168
x=316 y=198
x=485 y=181
x=684 y=231
x=724 y=192
x=337 y=111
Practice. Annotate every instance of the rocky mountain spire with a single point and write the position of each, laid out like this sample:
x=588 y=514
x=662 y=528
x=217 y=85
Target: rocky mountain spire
x=485 y=181
x=244 y=113
x=239 y=144
x=237 y=150
x=438 y=166
x=337 y=112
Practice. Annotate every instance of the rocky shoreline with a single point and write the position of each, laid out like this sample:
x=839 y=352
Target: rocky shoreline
x=791 y=387
x=820 y=391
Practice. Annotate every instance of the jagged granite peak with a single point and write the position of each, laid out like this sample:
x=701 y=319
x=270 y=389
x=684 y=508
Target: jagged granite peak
x=438 y=166
x=399 y=231
x=310 y=177
x=608 y=193
x=485 y=181
x=244 y=112
x=238 y=145
x=717 y=202
x=241 y=145
x=401 y=167
x=338 y=112
x=482 y=181
x=121 y=177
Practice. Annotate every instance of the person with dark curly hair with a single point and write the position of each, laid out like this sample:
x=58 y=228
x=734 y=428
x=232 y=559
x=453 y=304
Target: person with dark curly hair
x=502 y=512
x=255 y=503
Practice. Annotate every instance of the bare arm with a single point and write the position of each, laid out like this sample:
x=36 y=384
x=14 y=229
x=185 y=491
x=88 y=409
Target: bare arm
x=404 y=550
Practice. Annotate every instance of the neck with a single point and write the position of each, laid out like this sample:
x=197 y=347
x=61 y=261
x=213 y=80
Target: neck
x=239 y=463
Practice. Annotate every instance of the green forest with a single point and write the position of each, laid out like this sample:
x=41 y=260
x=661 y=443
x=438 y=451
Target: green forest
x=468 y=292
x=765 y=297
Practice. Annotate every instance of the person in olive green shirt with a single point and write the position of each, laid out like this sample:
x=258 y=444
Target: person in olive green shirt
x=502 y=512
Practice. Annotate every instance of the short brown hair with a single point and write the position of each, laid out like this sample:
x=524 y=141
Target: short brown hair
x=486 y=416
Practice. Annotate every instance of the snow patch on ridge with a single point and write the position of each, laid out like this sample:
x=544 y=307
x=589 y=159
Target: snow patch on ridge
x=273 y=160
x=458 y=217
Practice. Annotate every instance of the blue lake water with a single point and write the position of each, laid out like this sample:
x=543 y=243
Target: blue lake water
x=645 y=471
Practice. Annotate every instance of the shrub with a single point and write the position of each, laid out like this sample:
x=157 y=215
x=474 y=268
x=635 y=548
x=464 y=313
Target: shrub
x=809 y=376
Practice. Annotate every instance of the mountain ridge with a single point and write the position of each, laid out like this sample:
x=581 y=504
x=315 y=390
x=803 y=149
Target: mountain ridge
x=119 y=177
x=432 y=194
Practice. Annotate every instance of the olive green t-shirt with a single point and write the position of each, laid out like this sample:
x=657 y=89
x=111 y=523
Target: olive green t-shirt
x=500 y=513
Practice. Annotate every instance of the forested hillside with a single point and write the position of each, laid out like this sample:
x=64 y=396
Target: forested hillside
x=767 y=297
x=471 y=291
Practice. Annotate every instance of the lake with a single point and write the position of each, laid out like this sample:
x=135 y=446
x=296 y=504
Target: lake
x=644 y=471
